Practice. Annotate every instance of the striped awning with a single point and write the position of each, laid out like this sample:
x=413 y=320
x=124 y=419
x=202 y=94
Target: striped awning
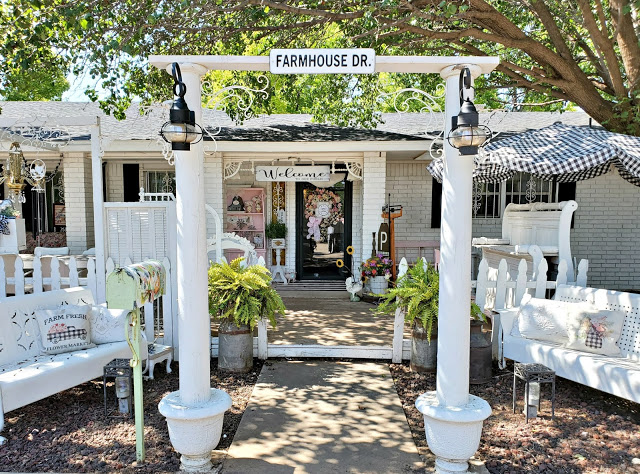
x=566 y=153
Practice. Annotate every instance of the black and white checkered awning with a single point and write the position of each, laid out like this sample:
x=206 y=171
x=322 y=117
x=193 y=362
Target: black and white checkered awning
x=565 y=152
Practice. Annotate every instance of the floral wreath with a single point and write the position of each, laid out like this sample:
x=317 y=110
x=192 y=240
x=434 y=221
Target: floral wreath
x=324 y=195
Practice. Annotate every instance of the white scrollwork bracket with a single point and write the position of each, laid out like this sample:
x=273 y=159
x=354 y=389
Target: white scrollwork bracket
x=354 y=168
x=244 y=98
x=231 y=169
x=427 y=104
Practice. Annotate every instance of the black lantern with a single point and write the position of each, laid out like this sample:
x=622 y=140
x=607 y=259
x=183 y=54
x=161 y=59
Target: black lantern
x=181 y=130
x=466 y=134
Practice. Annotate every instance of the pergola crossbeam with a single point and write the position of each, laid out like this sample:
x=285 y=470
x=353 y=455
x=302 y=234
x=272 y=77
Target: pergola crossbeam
x=406 y=64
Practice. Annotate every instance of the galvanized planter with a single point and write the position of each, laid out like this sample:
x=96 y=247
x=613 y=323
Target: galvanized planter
x=479 y=355
x=235 y=347
x=423 y=353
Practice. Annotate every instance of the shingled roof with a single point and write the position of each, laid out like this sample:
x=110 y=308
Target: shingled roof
x=282 y=127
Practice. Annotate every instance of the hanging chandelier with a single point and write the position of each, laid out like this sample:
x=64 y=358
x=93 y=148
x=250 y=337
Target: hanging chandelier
x=17 y=174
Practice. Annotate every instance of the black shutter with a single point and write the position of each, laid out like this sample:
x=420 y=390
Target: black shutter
x=436 y=204
x=567 y=192
x=131 y=182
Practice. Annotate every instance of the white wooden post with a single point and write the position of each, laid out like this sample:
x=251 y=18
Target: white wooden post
x=398 y=322
x=195 y=410
x=18 y=276
x=193 y=313
x=451 y=413
x=3 y=279
x=98 y=213
x=263 y=348
x=452 y=384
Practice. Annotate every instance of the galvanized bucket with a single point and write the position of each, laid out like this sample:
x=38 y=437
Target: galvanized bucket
x=235 y=348
x=423 y=352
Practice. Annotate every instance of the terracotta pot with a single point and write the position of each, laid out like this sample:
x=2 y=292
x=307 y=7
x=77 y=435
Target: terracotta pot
x=235 y=347
x=424 y=352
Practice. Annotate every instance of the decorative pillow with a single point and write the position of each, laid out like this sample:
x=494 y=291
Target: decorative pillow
x=546 y=320
x=65 y=329
x=108 y=325
x=596 y=331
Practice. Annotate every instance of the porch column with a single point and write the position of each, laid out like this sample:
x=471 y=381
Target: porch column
x=195 y=412
x=78 y=198
x=450 y=413
x=374 y=176
x=214 y=188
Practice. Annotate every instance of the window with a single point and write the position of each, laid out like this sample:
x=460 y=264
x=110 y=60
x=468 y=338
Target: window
x=160 y=182
x=490 y=199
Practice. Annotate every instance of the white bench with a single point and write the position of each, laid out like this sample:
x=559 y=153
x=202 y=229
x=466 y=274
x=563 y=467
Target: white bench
x=618 y=376
x=26 y=375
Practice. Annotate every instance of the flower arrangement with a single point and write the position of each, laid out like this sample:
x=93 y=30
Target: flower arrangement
x=376 y=266
x=313 y=198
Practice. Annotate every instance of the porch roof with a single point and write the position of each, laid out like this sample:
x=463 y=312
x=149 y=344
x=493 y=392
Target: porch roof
x=394 y=127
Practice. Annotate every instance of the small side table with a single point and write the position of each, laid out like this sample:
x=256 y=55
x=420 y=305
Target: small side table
x=278 y=269
x=537 y=373
x=156 y=354
x=117 y=368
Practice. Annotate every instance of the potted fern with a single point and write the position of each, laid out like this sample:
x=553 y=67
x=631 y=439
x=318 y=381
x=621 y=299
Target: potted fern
x=239 y=297
x=416 y=294
x=276 y=231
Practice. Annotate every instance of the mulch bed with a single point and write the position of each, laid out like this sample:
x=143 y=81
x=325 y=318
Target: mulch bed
x=69 y=432
x=593 y=432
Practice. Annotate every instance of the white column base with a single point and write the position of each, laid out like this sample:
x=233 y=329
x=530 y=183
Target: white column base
x=195 y=430
x=453 y=433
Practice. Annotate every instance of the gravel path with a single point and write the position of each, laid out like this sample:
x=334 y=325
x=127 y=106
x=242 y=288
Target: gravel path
x=593 y=432
x=68 y=432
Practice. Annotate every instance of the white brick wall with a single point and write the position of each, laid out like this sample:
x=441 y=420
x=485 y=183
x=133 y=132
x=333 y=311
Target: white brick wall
x=78 y=202
x=115 y=183
x=214 y=188
x=607 y=231
x=373 y=197
x=356 y=226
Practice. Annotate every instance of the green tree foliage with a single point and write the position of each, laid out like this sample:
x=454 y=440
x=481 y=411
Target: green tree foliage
x=553 y=53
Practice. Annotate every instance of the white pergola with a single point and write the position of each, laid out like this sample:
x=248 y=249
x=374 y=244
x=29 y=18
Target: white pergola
x=450 y=412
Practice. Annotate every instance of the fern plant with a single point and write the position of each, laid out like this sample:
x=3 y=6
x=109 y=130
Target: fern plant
x=417 y=294
x=243 y=295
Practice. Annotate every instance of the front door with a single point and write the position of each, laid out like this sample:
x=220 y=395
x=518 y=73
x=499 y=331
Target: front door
x=323 y=230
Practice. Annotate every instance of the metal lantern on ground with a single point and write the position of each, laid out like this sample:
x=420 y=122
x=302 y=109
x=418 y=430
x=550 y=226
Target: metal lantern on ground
x=181 y=130
x=466 y=134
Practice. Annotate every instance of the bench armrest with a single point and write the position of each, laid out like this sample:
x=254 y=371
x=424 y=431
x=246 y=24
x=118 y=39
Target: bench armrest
x=505 y=318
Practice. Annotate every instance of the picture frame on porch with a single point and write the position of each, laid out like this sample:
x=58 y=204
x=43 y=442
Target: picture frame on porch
x=59 y=215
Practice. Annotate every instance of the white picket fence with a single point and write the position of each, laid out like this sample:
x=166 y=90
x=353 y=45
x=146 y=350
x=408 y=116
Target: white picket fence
x=15 y=281
x=505 y=291
x=33 y=281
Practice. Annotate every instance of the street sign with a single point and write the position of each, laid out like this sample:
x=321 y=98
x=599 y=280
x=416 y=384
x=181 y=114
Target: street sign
x=322 y=61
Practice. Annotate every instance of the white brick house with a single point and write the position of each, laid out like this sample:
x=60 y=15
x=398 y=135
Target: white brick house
x=392 y=160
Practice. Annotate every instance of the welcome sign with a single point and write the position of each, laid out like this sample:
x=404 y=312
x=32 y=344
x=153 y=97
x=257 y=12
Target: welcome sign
x=293 y=173
x=322 y=61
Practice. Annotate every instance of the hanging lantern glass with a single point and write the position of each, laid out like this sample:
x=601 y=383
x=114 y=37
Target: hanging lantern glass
x=466 y=134
x=181 y=130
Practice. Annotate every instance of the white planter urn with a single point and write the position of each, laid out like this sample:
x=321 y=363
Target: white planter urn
x=378 y=285
x=195 y=430
x=453 y=433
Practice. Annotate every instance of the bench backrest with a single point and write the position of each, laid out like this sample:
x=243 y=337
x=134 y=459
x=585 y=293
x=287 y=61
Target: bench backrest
x=18 y=325
x=628 y=303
